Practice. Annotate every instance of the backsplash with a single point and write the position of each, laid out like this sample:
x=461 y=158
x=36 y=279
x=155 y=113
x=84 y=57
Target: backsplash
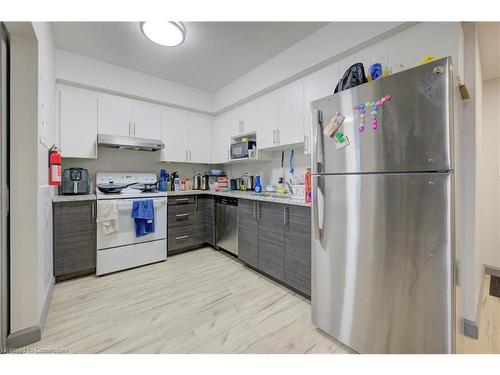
x=270 y=171
x=113 y=160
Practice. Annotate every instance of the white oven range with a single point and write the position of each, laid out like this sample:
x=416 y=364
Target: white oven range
x=122 y=249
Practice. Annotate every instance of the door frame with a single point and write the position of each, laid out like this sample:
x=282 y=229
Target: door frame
x=4 y=189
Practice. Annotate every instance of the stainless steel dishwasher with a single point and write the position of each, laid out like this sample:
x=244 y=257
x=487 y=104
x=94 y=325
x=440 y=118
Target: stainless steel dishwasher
x=226 y=224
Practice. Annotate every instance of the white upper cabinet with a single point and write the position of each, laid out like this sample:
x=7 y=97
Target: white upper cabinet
x=146 y=120
x=221 y=138
x=199 y=138
x=290 y=117
x=280 y=117
x=115 y=115
x=127 y=117
x=174 y=135
x=267 y=111
x=316 y=86
x=244 y=119
x=187 y=136
x=77 y=122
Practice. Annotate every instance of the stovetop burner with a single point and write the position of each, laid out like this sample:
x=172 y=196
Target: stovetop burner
x=146 y=186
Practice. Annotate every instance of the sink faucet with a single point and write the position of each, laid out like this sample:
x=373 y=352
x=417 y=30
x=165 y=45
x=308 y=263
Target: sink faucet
x=287 y=184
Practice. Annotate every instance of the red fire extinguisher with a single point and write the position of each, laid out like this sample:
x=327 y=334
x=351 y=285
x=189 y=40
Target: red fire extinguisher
x=54 y=166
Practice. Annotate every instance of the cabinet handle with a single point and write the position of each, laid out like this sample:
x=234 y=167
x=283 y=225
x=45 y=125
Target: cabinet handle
x=189 y=155
x=134 y=128
x=255 y=210
x=93 y=212
x=95 y=148
x=279 y=136
x=196 y=202
x=181 y=215
x=181 y=237
x=274 y=137
x=186 y=156
x=129 y=128
x=285 y=215
x=242 y=126
x=306 y=144
x=182 y=199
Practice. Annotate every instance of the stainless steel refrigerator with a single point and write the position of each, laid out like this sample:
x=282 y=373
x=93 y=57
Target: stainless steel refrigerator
x=383 y=208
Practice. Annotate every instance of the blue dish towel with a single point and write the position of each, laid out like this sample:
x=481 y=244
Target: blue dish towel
x=143 y=212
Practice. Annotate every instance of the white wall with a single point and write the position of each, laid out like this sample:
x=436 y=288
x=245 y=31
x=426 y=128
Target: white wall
x=467 y=179
x=23 y=178
x=46 y=130
x=490 y=174
x=32 y=100
x=77 y=69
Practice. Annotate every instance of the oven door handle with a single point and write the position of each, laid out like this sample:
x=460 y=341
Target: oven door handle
x=127 y=204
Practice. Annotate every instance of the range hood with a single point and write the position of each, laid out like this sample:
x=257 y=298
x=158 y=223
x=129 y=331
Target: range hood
x=129 y=143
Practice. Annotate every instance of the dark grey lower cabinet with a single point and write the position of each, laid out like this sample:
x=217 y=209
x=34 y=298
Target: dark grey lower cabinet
x=298 y=248
x=204 y=221
x=272 y=240
x=276 y=240
x=74 y=239
x=248 y=227
x=190 y=222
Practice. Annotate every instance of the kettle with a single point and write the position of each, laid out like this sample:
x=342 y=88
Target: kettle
x=197 y=182
x=204 y=182
x=249 y=182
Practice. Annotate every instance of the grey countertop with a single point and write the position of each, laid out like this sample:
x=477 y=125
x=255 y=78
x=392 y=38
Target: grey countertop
x=73 y=198
x=243 y=195
x=237 y=194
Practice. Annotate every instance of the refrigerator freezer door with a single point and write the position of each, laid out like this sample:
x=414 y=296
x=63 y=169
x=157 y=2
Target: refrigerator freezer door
x=382 y=269
x=414 y=131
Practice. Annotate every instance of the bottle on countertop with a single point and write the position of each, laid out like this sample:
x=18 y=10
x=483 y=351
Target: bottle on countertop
x=258 y=185
x=177 y=184
x=163 y=181
x=308 y=190
x=173 y=177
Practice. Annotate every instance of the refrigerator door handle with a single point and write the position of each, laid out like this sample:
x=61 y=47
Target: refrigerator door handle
x=318 y=205
x=318 y=145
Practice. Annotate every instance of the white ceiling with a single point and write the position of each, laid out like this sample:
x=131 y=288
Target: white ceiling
x=489 y=47
x=213 y=55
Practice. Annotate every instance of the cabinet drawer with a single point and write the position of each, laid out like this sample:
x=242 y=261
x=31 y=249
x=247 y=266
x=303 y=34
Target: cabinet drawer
x=172 y=201
x=180 y=239
x=181 y=215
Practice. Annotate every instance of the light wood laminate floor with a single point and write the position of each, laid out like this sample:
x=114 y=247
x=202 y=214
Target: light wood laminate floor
x=198 y=302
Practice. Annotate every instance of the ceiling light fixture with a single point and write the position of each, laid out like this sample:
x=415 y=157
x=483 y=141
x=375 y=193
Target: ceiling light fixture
x=164 y=33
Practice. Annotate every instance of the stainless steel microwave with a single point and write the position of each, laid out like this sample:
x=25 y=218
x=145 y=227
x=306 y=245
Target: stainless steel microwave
x=240 y=150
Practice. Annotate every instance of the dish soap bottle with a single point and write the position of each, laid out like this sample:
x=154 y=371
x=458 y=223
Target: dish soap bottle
x=258 y=185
